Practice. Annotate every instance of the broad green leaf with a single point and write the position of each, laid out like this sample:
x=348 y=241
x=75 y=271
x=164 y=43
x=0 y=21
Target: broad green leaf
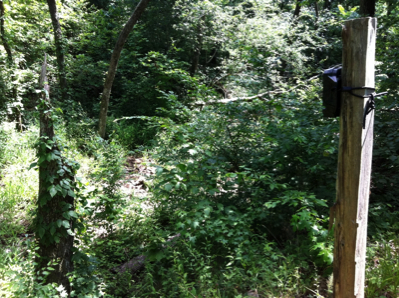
x=65 y=224
x=168 y=186
x=53 y=191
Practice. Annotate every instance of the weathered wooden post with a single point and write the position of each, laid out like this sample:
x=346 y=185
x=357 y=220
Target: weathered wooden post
x=354 y=161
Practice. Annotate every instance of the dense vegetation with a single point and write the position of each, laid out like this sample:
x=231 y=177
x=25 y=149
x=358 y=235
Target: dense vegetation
x=234 y=195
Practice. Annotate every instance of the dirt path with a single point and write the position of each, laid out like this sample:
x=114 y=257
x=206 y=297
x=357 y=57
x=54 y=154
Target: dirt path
x=136 y=176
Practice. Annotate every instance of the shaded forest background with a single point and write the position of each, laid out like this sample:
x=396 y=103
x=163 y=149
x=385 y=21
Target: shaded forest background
x=215 y=117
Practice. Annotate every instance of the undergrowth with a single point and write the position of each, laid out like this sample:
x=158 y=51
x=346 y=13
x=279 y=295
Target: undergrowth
x=200 y=230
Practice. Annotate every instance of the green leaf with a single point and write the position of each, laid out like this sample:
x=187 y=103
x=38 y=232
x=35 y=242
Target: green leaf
x=207 y=211
x=59 y=223
x=192 y=151
x=341 y=9
x=41 y=159
x=182 y=167
x=65 y=224
x=32 y=165
x=168 y=186
x=73 y=214
x=52 y=230
x=49 y=157
x=53 y=191
x=41 y=232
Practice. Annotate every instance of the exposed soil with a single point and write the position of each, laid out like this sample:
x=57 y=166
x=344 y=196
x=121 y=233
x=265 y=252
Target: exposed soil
x=136 y=175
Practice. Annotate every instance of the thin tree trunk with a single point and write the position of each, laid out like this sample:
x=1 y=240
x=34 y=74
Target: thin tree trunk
x=10 y=60
x=53 y=209
x=58 y=47
x=197 y=48
x=327 y=4
x=114 y=64
x=3 y=36
x=367 y=8
x=195 y=60
x=297 y=8
x=390 y=6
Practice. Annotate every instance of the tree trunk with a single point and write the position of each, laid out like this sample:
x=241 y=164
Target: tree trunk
x=10 y=60
x=58 y=47
x=195 y=60
x=197 y=48
x=3 y=36
x=327 y=4
x=367 y=8
x=297 y=8
x=53 y=222
x=114 y=64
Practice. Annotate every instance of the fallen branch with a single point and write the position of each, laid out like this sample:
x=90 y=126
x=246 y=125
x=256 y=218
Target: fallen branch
x=137 y=263
x=249 y=99
x=227 y=100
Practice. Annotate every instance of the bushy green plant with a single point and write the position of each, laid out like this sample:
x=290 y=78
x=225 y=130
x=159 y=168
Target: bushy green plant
x=3 y=140
x=18 y=185
x=382 y=273
x=18 y=276
x=236 y=173
x=133 y=133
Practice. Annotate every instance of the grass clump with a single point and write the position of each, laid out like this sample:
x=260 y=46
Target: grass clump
x=19 y=185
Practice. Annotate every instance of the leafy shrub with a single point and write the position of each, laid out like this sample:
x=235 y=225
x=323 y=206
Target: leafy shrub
x=18 y=185
x=235 y=174
x=132 y=134
x=19 y=278
x=382 y=274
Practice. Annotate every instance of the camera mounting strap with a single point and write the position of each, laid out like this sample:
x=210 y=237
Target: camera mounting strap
x=370 y=105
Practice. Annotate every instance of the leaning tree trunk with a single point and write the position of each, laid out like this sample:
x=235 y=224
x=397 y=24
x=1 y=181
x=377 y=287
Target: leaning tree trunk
x=3 y=35
x=55 y=205
x=114 y=64
x=58 y=47
x=17 y=111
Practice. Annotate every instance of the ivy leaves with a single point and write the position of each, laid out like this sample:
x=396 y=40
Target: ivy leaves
x=57 y=191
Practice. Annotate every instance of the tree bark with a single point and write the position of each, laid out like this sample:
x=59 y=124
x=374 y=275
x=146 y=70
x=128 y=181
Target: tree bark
x=10 y=61
x=55 y=242
x=58 y=47
x=327 y=4
x=197 y=48
x=114 y=64
x=367 y=8
x=297 y=8
x=3 y=35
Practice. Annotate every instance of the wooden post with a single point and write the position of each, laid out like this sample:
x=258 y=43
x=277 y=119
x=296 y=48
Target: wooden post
x=354 y=161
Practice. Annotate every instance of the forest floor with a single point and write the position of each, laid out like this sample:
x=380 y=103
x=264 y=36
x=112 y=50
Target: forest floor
x=137 y=173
